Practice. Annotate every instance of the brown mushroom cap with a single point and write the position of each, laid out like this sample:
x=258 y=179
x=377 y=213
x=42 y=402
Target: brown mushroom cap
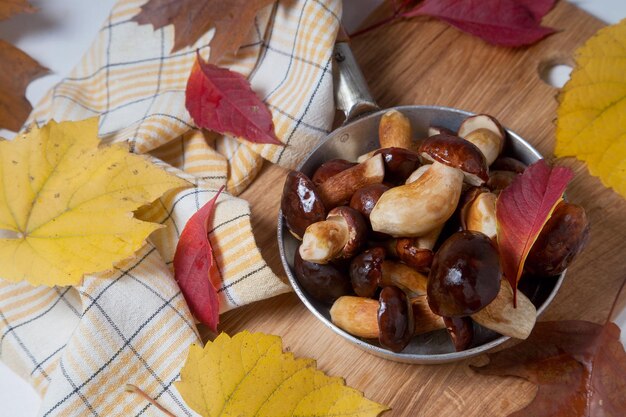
x=365 y=198
x=457 y=153
x=300 y=203
x=394 y=321
x=461 y=331
x=366 y=271
x=465 y=275
x=324 y=283
x=399 y=163
x=357 y=229
x=330 y=168
x=563 y=236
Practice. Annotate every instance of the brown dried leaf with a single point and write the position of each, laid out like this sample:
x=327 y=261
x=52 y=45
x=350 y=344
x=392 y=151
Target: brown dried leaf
x=232 y=21
x=17 y=70
x=578 y=366
x=10 y=7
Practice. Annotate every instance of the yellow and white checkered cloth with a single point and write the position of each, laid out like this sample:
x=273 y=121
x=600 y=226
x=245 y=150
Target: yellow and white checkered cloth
x=79 y=346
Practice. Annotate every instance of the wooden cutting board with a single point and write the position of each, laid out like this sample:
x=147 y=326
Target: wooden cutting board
x=422 y=61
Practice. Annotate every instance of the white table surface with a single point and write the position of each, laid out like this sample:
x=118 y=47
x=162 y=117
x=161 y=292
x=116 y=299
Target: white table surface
x=59 y=34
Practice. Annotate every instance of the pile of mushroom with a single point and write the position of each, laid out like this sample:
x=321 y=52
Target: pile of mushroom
x=403 y=241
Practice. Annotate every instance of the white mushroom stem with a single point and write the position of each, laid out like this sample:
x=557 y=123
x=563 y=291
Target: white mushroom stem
x=323 y=241
x=417 y=174
x=500 y=315
x=480 y=216
x=486 y=133
x=415 y=209
x=394 y=130
x=403 y=277
x=489 y=143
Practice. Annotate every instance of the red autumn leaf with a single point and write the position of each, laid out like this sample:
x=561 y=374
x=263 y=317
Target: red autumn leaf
x=223 y=101
x=192 y=265
x=522 y=209
x=191 y=19
x=578 y=366
x=508 y=23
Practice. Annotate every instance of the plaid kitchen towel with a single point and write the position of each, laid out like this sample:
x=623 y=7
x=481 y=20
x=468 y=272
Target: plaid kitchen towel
x=80 y=346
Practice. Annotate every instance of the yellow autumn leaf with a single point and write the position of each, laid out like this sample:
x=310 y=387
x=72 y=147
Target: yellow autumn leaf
x=249 y=375
x=66 y=204
x=591 y=118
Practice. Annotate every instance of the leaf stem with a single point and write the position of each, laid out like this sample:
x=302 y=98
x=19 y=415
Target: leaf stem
x=137 y=390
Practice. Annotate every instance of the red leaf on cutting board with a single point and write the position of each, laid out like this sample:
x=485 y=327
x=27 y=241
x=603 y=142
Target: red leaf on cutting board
x=522 y=209
x=579 y=367
x=223 y=101
x=508 y=23
x=193 y=262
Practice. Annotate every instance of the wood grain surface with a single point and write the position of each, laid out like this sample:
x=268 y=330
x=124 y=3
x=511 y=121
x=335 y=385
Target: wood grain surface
x=422 y=61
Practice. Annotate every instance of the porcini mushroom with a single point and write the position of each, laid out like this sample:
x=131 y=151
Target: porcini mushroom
x=338 y=189
x=399 y=163
x=461 y=331
x=300 y=203
x=366 y=271
x=324 y=283
x=329 y=169
x=416 y=208
x=365 y=198
x=404 y=277
x=395 y=319
x=465 y=275
x=358 y=316
x=486 y=133
x=503 y=317
x=478 y=212
x=341 y=235
x=394 y=130
x=562 y=237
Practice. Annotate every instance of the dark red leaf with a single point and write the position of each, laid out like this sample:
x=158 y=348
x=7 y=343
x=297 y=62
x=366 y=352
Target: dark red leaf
x=192 y=265
x=500 y=22
x=223 y=101
x=522 y=209
x=578 y=366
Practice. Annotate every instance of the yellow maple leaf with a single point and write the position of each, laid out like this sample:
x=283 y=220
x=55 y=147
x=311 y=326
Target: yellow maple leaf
x=591 y=118
x=249 y=375
x=68 y=203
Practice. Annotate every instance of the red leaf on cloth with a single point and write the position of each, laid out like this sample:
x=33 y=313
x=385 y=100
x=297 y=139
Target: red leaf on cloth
x=193 y=261
x=578 y=366
x=522 y=209
x=508 y=23
x=223 y=101
x=231 y=19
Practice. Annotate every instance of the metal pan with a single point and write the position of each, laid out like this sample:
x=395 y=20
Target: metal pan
x=359 y=135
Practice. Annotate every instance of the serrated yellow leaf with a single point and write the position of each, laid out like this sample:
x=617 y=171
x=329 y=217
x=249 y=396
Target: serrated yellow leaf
x=591 y=118
x=249 y=375
x=69 y=203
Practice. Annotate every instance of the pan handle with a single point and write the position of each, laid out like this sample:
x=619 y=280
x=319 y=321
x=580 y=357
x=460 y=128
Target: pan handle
x=352 y=96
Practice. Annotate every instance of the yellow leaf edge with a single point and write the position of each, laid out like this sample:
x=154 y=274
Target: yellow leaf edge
x=195 y=353
x=579 y=69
